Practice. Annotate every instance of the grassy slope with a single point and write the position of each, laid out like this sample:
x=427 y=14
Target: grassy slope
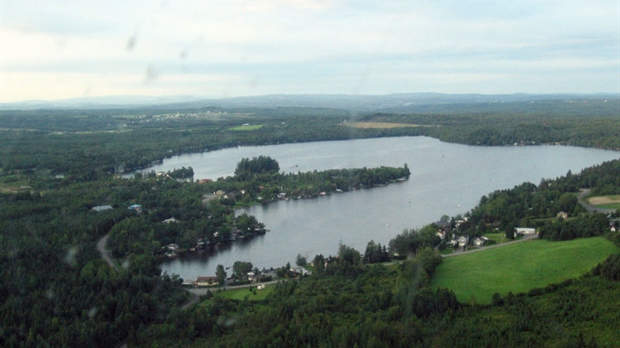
x=241 y=294
x=519 y=267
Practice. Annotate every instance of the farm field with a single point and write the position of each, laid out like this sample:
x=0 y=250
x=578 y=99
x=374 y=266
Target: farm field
x=606 y=202
x=380 y=125
x=246 y=128
x=519 y=267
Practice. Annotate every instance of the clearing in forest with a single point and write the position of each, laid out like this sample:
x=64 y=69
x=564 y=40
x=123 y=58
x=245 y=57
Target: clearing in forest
x=606 y=202
x=246 y=127
x=367 y=125
x=519 y=267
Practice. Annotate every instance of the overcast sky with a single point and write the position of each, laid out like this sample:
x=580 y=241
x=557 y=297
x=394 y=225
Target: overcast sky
x=69 y=48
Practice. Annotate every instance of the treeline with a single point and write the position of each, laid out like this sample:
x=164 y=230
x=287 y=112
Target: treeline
x=84 y=144
x=529 y=205
x=590 y=124
x=136 y=146
x=351 y=304
x=347 y=304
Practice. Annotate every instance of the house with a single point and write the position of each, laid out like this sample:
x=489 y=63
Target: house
x=480 y=241
x=172 y=247
x=300 y=270
x=172 y=219
x=463 y=241
x=281 y=195
x=136 y=207
x=101 y=208
x=562 y=215
x=206 y=281
x=525 y=230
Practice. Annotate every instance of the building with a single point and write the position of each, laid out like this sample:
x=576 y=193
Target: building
x=172 y=219
x=101 y=208
x=525 y=230
x=480 y=241
x=206 y=281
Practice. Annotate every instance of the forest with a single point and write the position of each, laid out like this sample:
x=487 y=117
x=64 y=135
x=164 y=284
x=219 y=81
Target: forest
x=56 y=289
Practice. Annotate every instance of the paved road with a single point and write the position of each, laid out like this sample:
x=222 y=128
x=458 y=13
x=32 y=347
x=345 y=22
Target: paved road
x=523 y=239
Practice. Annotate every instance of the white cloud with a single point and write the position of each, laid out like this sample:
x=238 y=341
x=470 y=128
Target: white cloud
x=306 y=46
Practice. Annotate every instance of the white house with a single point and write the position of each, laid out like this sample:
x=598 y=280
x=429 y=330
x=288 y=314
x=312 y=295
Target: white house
x=205 y=281
x=100 y=208
x=479 y=241
x=525 y=230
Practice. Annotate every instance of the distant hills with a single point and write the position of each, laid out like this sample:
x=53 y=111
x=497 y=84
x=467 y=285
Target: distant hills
x=397 y=103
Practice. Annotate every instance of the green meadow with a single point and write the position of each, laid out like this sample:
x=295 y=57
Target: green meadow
x=246 y=128
x=242 y=294
x=519 y=267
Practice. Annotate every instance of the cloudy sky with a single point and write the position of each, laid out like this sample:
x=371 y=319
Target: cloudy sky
x=69 y=48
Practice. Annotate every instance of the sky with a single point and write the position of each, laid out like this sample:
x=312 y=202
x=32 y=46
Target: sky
x=64 y=49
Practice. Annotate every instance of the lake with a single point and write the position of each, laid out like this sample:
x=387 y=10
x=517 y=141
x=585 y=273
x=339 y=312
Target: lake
x=445 y=179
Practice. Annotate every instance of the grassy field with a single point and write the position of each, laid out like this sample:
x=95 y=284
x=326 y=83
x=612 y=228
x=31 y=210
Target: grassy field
x=498 y=238
x=519 y=267
x=606 y=202
x=241 y=294
x=246 y=128
x=382 y=125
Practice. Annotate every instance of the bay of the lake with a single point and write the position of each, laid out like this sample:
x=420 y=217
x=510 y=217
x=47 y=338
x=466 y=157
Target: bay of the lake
x=446 y=179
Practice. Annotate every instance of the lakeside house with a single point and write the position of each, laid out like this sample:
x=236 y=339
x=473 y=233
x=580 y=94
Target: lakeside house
x=205 y=282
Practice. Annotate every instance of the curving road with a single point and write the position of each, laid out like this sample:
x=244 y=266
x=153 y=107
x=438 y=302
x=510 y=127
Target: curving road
x=590 y=208
x=105 y=254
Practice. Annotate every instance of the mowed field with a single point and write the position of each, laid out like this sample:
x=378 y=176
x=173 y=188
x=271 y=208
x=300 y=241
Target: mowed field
x=606 y=202
x=519 y=267
x=382 y=125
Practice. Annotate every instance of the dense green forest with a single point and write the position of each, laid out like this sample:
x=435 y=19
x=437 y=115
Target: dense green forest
x=57 y=290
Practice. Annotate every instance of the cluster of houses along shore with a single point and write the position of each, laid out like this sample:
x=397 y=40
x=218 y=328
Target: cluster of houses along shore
x=444 y=230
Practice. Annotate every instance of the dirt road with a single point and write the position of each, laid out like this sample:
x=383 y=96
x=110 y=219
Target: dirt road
x=104 y=253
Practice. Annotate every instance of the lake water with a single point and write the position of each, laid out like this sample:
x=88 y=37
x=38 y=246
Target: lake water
x=445 y=179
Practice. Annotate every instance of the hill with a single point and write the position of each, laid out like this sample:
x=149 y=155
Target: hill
x=519 y=267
